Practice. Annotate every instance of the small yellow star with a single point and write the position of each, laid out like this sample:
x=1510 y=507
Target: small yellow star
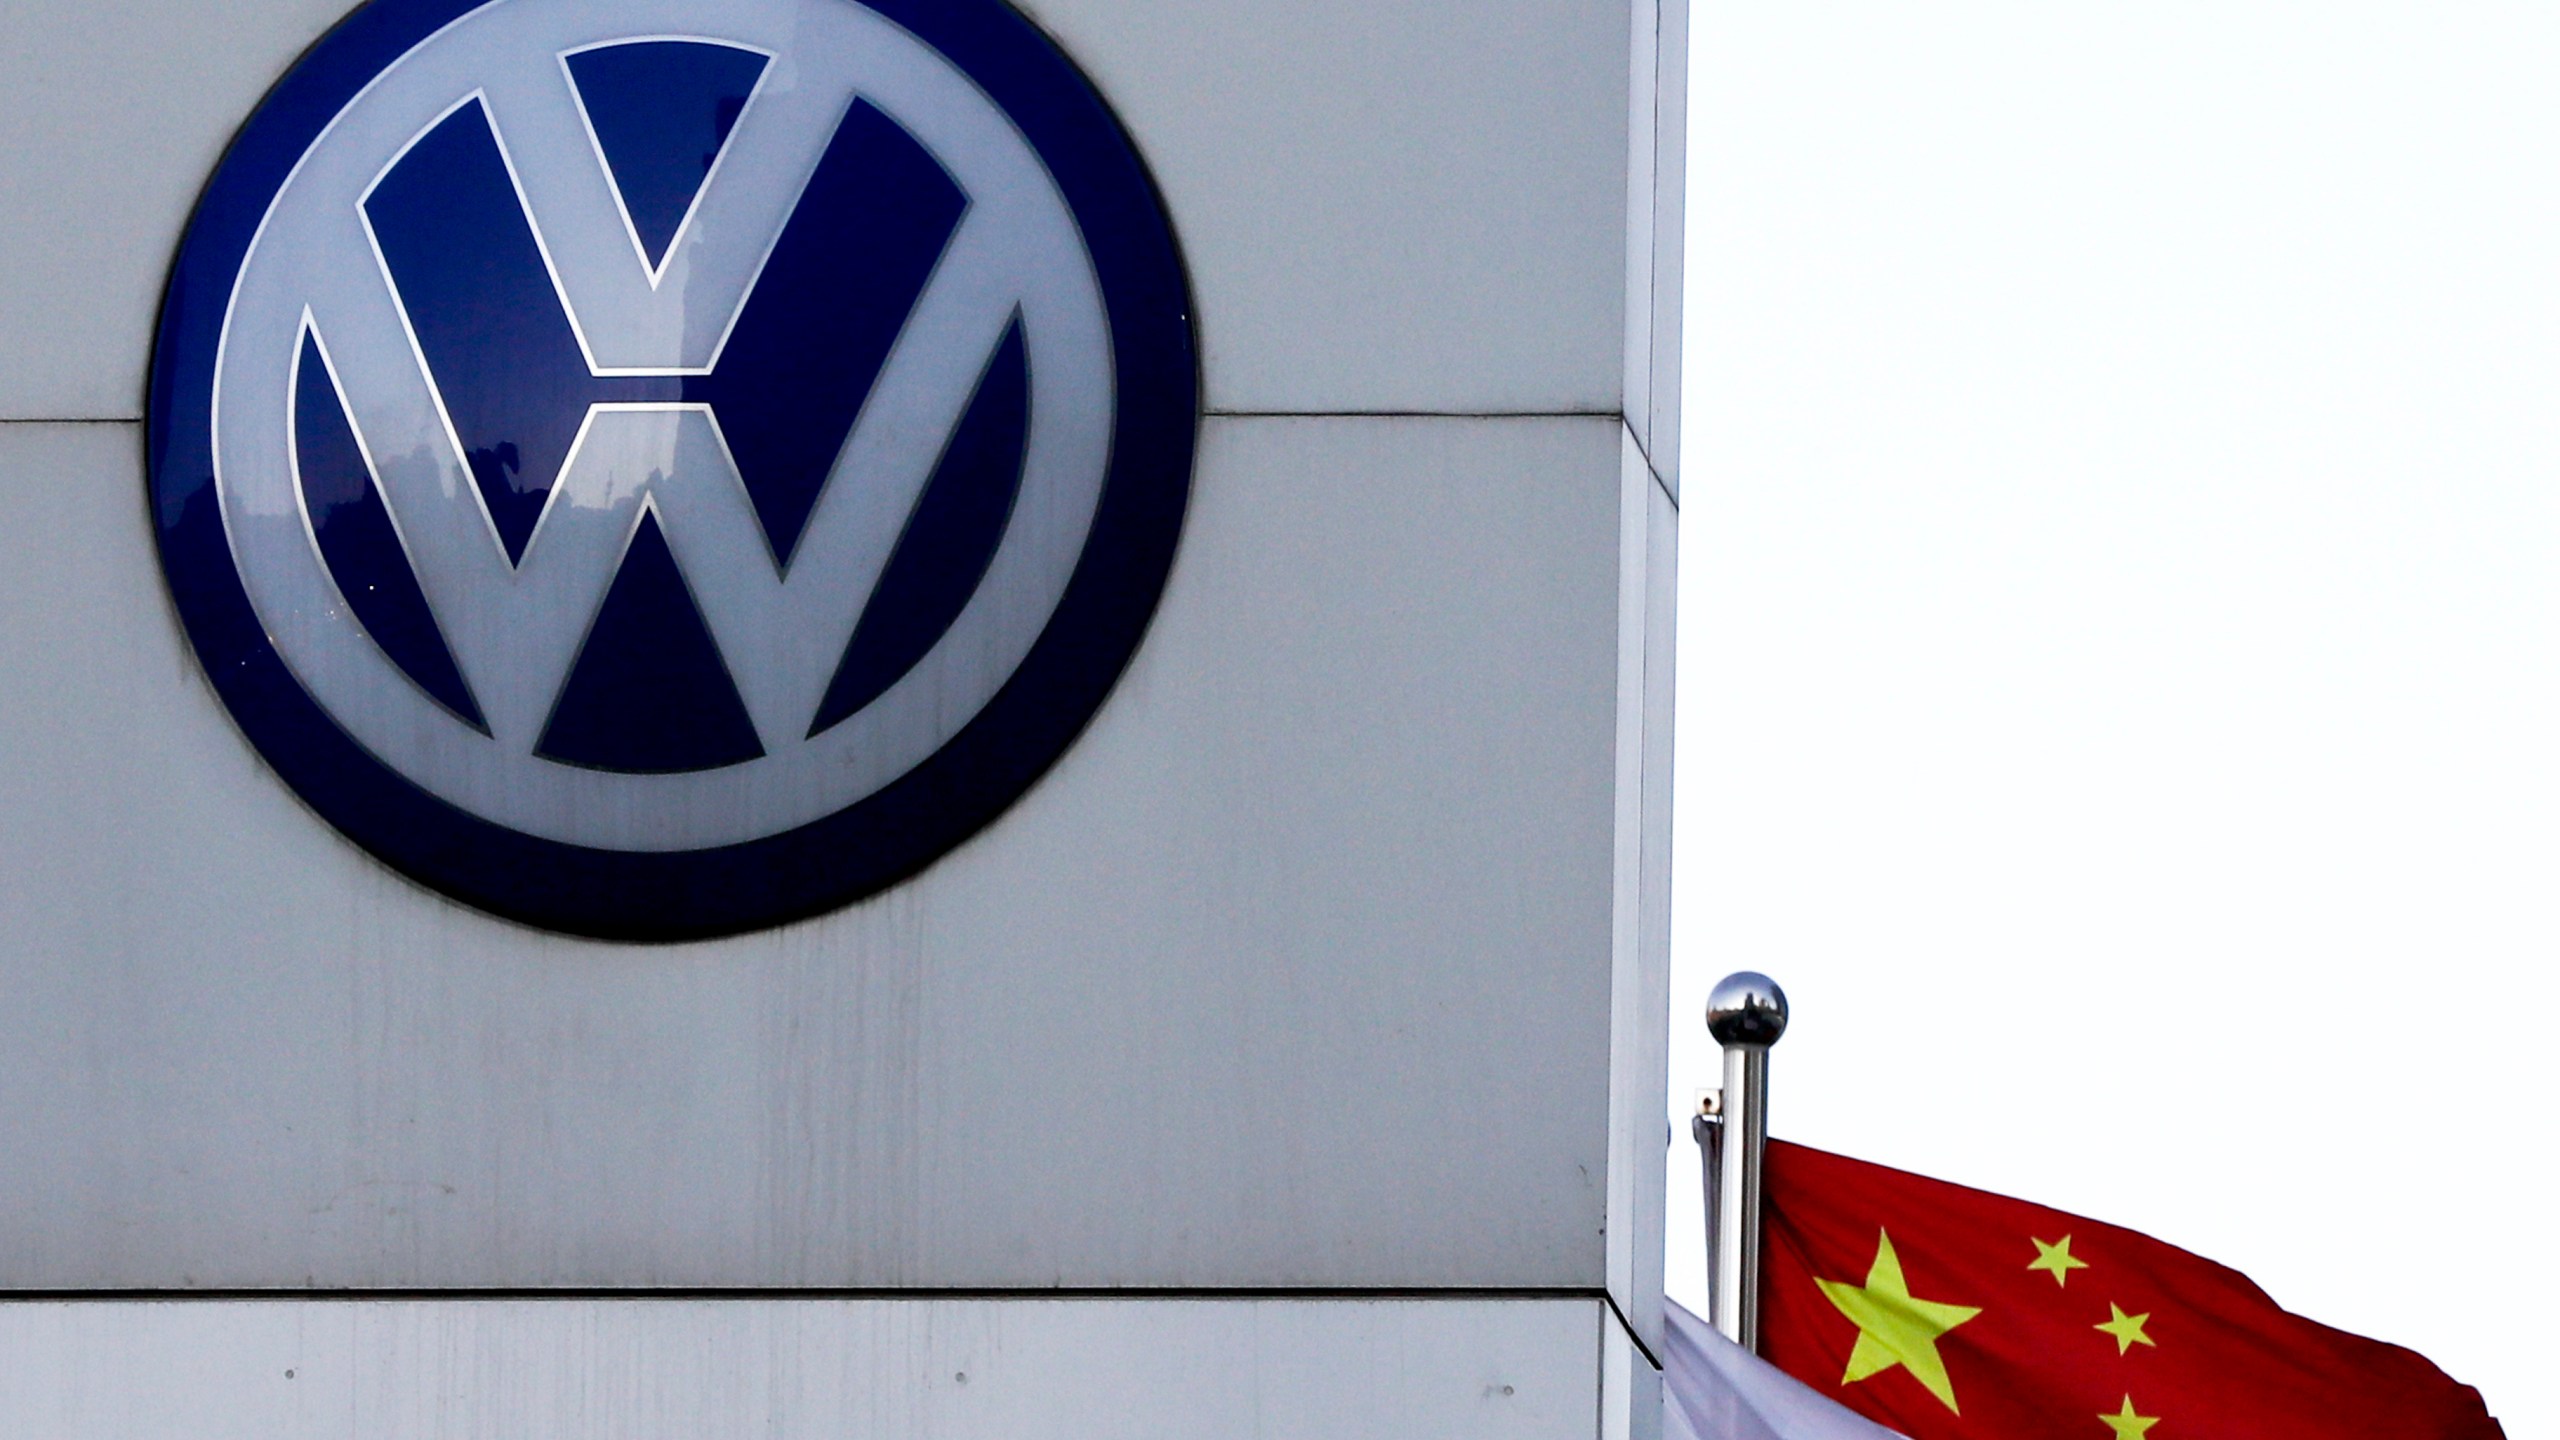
x=2126 y=1424
x=2056 y=1257
x=2126 y=1328
x=1895 y=1329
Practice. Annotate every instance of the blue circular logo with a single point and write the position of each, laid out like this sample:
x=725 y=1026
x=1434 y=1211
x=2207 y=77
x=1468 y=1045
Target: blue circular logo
x=655 y=469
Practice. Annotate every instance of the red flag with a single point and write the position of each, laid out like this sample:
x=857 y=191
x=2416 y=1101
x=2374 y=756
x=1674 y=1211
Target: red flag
x=1951 y=1314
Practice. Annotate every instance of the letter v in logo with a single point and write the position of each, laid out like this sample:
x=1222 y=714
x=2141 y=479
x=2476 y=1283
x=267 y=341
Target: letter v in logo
x=654 y=468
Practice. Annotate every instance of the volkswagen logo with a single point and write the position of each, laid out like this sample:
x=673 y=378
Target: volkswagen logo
x=661 y=468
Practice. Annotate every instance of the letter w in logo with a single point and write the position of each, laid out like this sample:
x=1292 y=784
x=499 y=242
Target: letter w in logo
x=684 y=567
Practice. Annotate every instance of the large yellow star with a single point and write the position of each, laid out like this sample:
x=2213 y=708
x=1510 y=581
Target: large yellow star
x=2126 y=1424
x=2056 y=1257
x=1893 y=1328
x=2126 y=1328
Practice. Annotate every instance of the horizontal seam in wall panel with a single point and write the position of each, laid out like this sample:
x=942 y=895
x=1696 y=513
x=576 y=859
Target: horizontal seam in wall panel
x=1616 y=415
x=486 y=1295
x=71 y=420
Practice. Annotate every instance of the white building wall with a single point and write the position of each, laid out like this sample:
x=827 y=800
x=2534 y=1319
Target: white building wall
x=1295 y=972
x=1331 y=957
x=800 y=1370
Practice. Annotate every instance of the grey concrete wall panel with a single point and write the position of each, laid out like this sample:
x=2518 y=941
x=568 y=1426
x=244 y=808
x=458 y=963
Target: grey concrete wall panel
x=1662 y=397
x=1640 y=980
x=1333 y=955
x=1383 y=210
x=117 y=111
x=1630 y=1389
x=1428 y=217
x=802 y=1370
x=1297 y=971
x=1657 y=203
x=1642 y=1043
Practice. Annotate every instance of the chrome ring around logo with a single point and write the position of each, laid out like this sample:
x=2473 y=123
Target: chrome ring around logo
x=655 y=469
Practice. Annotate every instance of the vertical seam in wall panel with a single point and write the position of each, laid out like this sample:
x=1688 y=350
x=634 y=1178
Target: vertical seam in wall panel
x=1667 y=246
x=1653 y=259
x=1599 y=1375
x=1657 y=769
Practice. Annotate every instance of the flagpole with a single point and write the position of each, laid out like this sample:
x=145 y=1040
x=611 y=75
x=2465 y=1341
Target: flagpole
x=1746 y=1014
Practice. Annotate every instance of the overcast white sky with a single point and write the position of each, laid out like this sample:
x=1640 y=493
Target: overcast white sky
x=2120 y=626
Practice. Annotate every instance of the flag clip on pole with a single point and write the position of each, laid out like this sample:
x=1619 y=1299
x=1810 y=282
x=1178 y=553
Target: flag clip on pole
x=1706 y=1126
x=1746 y=1014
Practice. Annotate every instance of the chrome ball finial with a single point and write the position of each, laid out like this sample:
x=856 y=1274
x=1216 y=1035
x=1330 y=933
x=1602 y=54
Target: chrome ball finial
x=1747 y=1008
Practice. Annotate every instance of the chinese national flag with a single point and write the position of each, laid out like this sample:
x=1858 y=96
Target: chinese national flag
x=1950 y=1314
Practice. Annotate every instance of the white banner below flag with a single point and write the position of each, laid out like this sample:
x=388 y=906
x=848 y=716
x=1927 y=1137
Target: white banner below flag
x=1713 y=1389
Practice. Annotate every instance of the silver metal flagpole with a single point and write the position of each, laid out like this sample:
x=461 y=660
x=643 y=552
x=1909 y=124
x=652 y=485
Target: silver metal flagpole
x=1746 y=1014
